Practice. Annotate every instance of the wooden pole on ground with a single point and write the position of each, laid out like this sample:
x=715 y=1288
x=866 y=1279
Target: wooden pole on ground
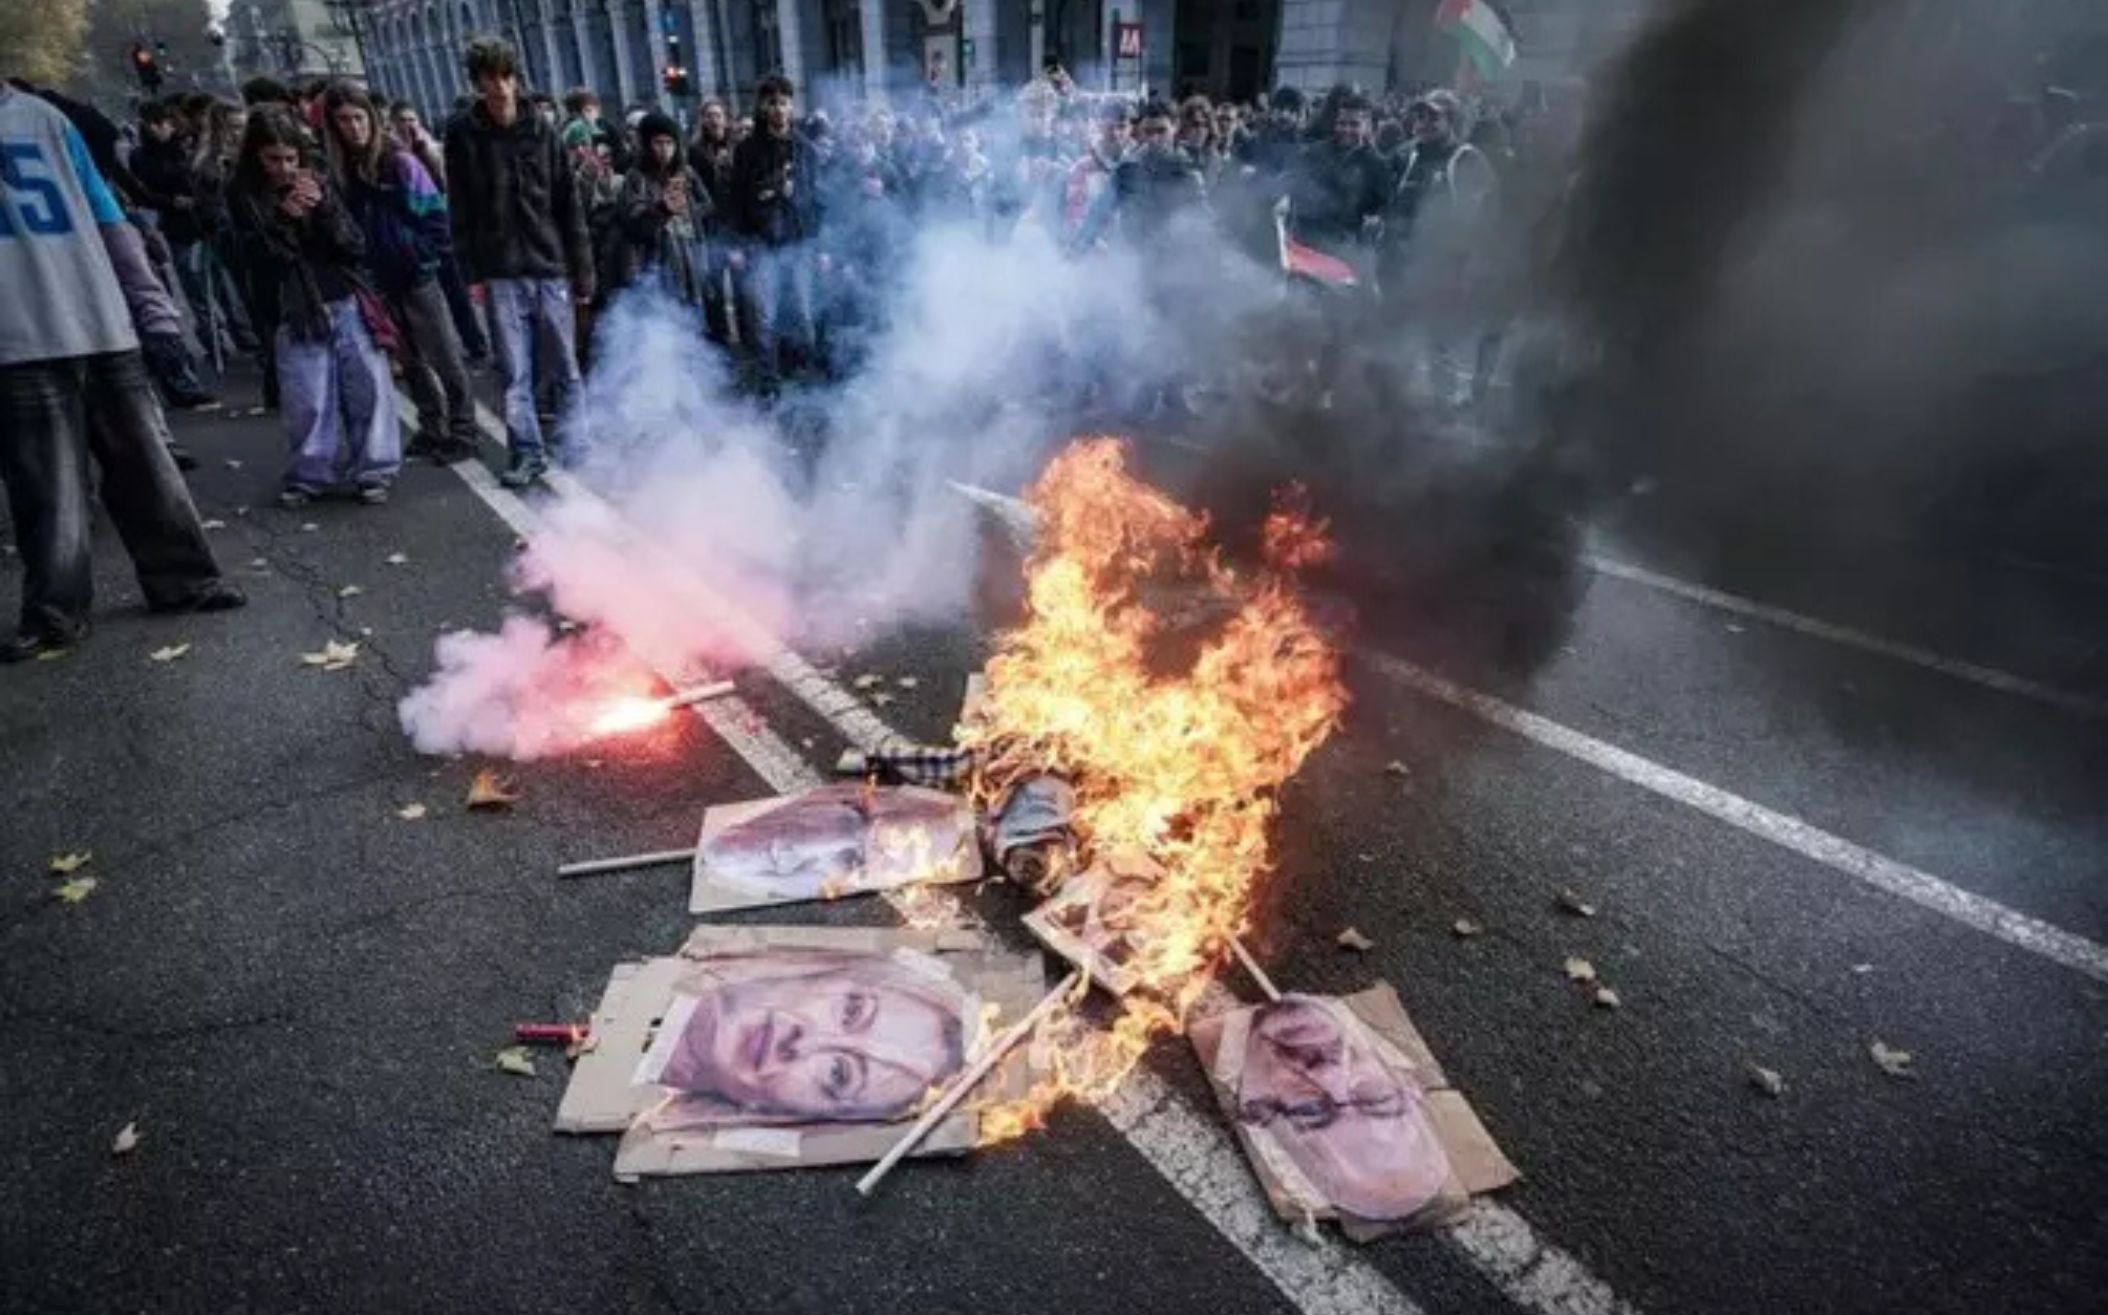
x=625 y=862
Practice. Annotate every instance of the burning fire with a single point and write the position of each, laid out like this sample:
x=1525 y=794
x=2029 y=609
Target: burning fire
x=1180 y=766
x=630 y=713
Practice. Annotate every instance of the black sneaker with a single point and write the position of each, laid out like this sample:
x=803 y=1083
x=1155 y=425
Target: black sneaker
x=35 y=643
x=525 y=468
x=214 y=595
x=294 y=499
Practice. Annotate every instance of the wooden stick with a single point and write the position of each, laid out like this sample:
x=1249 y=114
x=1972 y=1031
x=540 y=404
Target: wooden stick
x=624 y=862
x=1251 y=966
x=966 y=1082
x=690 y=697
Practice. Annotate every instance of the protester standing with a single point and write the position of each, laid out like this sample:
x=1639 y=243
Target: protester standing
x=710 y=156
x=72 y=385
x=403 y=217
x=520 y=231
x=775 y=213
x=304 y=249
x=660 y=213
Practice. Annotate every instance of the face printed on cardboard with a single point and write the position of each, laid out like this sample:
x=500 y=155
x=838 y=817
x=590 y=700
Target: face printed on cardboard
x=841 y=839
x=1096 y=921
x=1319 y=1090
x=791 y=1036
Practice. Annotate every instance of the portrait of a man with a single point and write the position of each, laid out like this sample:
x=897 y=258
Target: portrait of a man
x=834 y=841
x=1093 y=922
x=1336 y=1118
x=799 y=1036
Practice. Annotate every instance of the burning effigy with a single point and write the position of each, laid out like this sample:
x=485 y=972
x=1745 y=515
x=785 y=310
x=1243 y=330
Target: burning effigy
x=1122 y=758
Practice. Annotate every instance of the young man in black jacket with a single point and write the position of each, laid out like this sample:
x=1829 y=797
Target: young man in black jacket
x=775 y=215
x=520 y=231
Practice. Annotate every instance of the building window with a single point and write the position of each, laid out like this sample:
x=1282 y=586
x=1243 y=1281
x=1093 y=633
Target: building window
x=845 y=36
x=1192 y=59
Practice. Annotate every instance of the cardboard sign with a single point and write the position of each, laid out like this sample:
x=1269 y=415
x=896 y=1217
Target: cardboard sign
x=1090 y=920
x=826 y=843
x=790 y=1047
x=1344 y=1113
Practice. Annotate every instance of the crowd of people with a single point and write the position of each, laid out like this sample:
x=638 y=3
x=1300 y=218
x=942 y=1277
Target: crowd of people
x=326 y=231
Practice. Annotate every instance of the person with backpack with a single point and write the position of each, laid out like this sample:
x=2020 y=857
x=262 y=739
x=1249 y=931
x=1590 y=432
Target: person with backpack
x=403 y=216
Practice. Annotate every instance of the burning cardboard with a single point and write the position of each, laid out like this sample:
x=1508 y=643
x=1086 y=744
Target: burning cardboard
x=1344 y=1113
x=1094 y=921
x=790 y=1047
x=837 y=840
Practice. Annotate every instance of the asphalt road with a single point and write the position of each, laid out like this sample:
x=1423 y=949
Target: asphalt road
x=296 y=994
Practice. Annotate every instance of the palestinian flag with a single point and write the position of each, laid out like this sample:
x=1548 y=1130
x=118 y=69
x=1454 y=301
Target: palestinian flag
x=1482 y=33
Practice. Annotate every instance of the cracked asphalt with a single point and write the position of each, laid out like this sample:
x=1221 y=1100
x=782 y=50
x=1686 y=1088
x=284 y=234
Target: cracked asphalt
x=296 y=994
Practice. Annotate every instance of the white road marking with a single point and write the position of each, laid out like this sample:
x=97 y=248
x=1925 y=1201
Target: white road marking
x=1192 y=1151
x=1834 y=852
x=1990 y=678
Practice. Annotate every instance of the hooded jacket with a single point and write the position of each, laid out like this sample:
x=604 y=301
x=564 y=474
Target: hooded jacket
x=515 y=209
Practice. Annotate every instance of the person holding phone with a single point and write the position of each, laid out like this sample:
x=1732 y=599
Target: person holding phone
x=660 y=213
x=333 y=375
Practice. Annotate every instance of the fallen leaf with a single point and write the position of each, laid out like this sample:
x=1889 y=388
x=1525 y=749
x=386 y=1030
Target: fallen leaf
x=397 y=559
x=488 y=791
x=1366 y=857
x=806 y=742
x=72 y=862
x=334 y=656
x=1606 y=997
x=1766 y=1080
x=1862 y=968
x=233 y=464
x=881 y=699
x=908 y=682
x=212 y=525
x=366 y=631
x=76 y=890
x=309 y=527
x=350 y=591
x=170 y=653
x=867 y=680
x=1466 y=928
x=53 y=654
x=1396 y=768
x=411 y=812
x=1580 y=970
x=260 y=563
x=127 y=1140
x=1896 y=1063
x=1574 y=904
x=1352 y=939
x=514 y=1059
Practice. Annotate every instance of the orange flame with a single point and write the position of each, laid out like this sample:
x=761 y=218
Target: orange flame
x=630 y=713
x=1180 y=766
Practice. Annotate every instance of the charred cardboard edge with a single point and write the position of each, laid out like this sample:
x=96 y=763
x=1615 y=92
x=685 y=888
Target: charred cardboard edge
x=709 y=893
x=1477 y=1164
x=602 y=1098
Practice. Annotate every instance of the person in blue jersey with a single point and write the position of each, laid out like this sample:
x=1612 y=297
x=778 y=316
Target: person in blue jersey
x=73 y=385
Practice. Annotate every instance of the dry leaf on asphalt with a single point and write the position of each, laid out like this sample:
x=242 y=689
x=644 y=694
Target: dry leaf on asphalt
x=212 y=525
x=350 y=591
x=1896 y=1063
x=233 y=464
x=1466 y=928
x=309 y=527
x=70 y=863
x=1352 y=939
x=127 y=1140
x=1396 y=768
x=76 y=890
x=168 y=654
x=259 y=563
x=334 y=656
x=1766 y=1080
x=410 y=812
x=1580 y=970
x=514 y=1059
x=53 y=654
x=1575 y=905
x=1606 y=997
x=868 y=680
x=488 y=790
x=908 y=682
x=397 y=559
x=1862 y=969
x=881 y=699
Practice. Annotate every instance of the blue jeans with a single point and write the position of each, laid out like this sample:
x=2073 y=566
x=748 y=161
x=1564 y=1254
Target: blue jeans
x=336 y=395
x=522 y=312
x=776 y=299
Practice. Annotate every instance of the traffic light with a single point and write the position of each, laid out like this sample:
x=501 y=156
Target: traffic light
x=676 y=78
x=146 y=66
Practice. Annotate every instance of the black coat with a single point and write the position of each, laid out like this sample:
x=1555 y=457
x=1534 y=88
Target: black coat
x=775 y=190
x=515 y=208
